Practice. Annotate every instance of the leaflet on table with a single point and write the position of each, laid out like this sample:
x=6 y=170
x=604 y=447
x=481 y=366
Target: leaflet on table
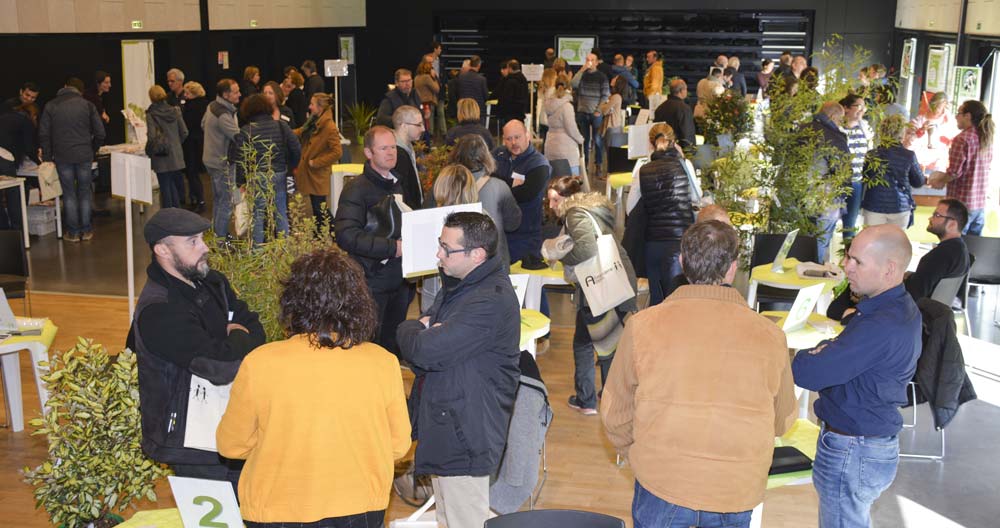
x=420 y=232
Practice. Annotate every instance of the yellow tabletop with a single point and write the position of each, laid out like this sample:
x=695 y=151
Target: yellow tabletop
x=348 y=168
x=48 y=335
x=789 y=279
x=617 y=180
x=532 y=322
x=548 y=272
x=801 y=436
x=492 y=102
x=166 y=518
x=817 y=328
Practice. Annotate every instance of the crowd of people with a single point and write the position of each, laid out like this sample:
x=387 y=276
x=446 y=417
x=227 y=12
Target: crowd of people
x=323 y=453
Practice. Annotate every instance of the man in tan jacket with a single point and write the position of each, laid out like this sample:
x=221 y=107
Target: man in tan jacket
x=701 y=386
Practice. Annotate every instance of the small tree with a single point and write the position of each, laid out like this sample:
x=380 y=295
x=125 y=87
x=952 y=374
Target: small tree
x=95 y=465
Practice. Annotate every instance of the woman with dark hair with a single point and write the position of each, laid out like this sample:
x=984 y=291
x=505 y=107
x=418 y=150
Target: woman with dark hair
x=764 y=76
x=320 y=150
x=250 y=82
x=320 y=417
x=666 y=197
x=193 y=109
x=586 y=216
x=165 y=124
x=468 y=123
x=295 y=98
x=276 y=97
x=275 y=149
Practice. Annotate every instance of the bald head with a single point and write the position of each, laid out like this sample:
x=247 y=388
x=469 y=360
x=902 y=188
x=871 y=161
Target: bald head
x=877 y=259
x=890 y=241
x=515 y=137
x=833 y=110
x=678 y=88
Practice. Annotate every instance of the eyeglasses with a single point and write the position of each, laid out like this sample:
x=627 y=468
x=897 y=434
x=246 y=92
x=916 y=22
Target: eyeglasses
x=939 y=215
x=448 y=252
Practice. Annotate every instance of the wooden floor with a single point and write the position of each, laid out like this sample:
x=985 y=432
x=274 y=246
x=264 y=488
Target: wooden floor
x=582 y=471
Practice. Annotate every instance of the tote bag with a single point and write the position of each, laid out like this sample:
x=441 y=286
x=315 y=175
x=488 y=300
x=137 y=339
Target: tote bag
x=206 y=405
x=603 y=277
x=48 y=181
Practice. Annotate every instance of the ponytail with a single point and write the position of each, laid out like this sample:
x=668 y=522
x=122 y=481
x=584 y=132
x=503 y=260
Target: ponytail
x=662 y=137
x=982 y=120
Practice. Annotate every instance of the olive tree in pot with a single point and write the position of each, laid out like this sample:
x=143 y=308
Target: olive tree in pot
x=95 y=466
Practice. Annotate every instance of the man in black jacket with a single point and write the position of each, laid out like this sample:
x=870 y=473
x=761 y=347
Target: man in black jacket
x=368 y=231
x=513 y=98
x=464 y=352
x=472 y=84
x=402 y=95
x=188 y=321
x=676 y=113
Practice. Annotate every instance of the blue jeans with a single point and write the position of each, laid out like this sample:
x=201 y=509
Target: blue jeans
x=849 y=473
x=171 y=186
x=977 y=219
x=78 y=194
x=650 y=511
x=223 y=185
x=280 y=209
x=827 y=225
x=662 y=268
x=849 y=213
x=590 y=126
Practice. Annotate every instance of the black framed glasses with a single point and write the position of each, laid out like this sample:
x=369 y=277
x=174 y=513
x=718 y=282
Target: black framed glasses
x=939 y=215
x=448 y=252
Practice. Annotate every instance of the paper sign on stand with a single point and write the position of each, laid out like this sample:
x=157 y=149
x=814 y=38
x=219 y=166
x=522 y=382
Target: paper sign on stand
x=420 y=232
x=131 y=178
x=336 y=68
x=638 y=141
x=533 y=72
x=205 y=502
x=643 y=117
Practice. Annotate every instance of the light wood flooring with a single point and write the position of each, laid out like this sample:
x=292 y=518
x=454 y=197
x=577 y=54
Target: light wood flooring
x=582 y=472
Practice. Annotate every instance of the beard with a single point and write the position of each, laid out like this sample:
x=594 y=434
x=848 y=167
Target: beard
x=194 y=273
x=935 y=230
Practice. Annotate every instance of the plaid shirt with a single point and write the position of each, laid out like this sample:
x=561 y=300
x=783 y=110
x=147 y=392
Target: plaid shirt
x=970 y=169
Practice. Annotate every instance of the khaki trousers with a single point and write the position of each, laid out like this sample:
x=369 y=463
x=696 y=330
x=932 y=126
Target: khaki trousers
x=461 y=502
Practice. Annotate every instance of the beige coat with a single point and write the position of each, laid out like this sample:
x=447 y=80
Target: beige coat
x=321 y=151
x=700 y=387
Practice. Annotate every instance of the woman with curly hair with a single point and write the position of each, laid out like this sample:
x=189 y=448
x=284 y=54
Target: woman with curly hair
x=319 y=417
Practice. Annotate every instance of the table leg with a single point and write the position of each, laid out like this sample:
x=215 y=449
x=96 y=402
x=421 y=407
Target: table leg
x=58 y=219
x=532 y=347
x=533 y=293
x=338 y=187
x=39 y=353
x=24 y=215
x=752 y=294
x=11 y=365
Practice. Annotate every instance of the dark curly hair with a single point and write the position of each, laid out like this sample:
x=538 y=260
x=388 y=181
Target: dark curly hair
x=326 y=298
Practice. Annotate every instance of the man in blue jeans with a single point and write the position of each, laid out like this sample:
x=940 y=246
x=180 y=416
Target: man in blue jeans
x=220 y=128
x=69 y=131
x=861 y=377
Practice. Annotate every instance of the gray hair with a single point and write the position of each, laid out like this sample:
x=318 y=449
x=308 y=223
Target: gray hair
x=176 y=73
x=404 y=113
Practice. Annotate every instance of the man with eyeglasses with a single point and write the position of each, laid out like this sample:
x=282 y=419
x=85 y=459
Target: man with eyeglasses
x=402 y=95
x=464 y=353
x=408 y=123
x=367 y=228
x=950 y=258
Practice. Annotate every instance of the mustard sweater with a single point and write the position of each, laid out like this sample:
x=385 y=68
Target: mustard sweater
x=319 y=428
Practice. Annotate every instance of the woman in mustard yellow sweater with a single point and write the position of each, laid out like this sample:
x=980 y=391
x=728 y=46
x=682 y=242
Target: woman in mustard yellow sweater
x=321 y=416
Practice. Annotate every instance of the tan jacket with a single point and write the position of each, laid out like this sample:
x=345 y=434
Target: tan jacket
x=427 y=88
x=652 y=82
x=701 y=386
x=323 y=150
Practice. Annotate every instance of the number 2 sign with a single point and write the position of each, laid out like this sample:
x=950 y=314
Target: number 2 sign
x=206 y=503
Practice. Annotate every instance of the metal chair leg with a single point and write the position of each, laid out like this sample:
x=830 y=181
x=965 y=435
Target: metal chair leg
x=913 y=395
x=533 y=499
x=927 y=457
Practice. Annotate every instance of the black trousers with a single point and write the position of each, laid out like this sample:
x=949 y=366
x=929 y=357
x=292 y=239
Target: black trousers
x=225 y=470
x=391 y=307
x=372 y=519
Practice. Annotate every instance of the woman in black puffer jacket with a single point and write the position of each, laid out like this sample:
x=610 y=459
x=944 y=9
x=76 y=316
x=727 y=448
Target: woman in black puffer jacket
x=667 y=199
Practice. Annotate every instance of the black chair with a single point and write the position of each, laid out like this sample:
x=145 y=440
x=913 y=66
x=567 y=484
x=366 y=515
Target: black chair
x=14 y=267
x=553 y=518
x=986 y=267
x=765 y=249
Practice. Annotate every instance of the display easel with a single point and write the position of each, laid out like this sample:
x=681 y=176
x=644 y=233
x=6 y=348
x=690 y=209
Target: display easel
x=336 y=68
x=131 y=180
x=533 y=73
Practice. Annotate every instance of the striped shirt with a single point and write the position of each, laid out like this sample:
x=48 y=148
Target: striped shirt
x=859 y=141
x=969 y=168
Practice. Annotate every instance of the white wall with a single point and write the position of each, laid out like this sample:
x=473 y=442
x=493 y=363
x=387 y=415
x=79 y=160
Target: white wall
x=97 y=16
x=271 y=14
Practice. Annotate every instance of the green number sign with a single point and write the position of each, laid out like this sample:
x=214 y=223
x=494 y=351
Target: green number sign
x=208 y=520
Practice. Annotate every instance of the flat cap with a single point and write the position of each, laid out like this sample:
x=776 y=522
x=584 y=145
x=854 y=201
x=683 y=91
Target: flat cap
x=173 y=221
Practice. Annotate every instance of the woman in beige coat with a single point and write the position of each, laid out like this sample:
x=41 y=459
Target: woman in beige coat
x=321 y=148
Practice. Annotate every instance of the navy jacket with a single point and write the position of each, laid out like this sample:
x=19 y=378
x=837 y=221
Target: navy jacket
x=472 y=84
x=530 y=197
x=393 y=100
x=898 y=166
x=862 y=374
x=264 y=133
x=466 y=371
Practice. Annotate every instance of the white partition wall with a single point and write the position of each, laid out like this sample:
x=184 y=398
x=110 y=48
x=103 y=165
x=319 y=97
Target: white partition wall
x=138 y=75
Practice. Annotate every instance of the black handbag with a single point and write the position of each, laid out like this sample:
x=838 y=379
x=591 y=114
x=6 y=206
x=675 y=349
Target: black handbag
x=156 y=141
x=385 y=219
x=787 y=459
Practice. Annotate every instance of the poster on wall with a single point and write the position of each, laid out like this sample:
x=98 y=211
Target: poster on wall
x=967 y=81
x=347 y=48
x=907 y=63
x=936 y=79
x=575 y=49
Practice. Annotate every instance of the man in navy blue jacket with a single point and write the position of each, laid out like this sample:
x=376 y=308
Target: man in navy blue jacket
x=861 y=377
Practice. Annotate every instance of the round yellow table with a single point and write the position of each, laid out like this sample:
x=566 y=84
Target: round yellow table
x=618 y=181
x=788 y=280
x=537 y=279
x=534 y=325
x=337 y=174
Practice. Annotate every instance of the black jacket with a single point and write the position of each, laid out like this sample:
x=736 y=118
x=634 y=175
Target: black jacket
x=193 y=110
x=264 y=133
x=355 y=225
x=467 y=373
x=70 y=129
x=472 y=84
x=666 y=195
x=941 y=377
x=300 y=107
x=513 y=99
x=178 y=331
x=676 y=113
x=393 y=100
x=409 y=180
x=832 y=136
x=469 y=127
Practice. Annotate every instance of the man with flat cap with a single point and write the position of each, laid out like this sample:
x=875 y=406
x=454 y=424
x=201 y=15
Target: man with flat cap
x=188 y=321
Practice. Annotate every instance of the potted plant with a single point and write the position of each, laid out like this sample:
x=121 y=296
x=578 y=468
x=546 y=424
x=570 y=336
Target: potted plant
x=95 y=465
x=361 y=115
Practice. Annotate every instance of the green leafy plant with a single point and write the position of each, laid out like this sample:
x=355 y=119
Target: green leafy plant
x=431 y=163
x=256 y=270
x=95 y=464
x=361 y=114
x=728 y=114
